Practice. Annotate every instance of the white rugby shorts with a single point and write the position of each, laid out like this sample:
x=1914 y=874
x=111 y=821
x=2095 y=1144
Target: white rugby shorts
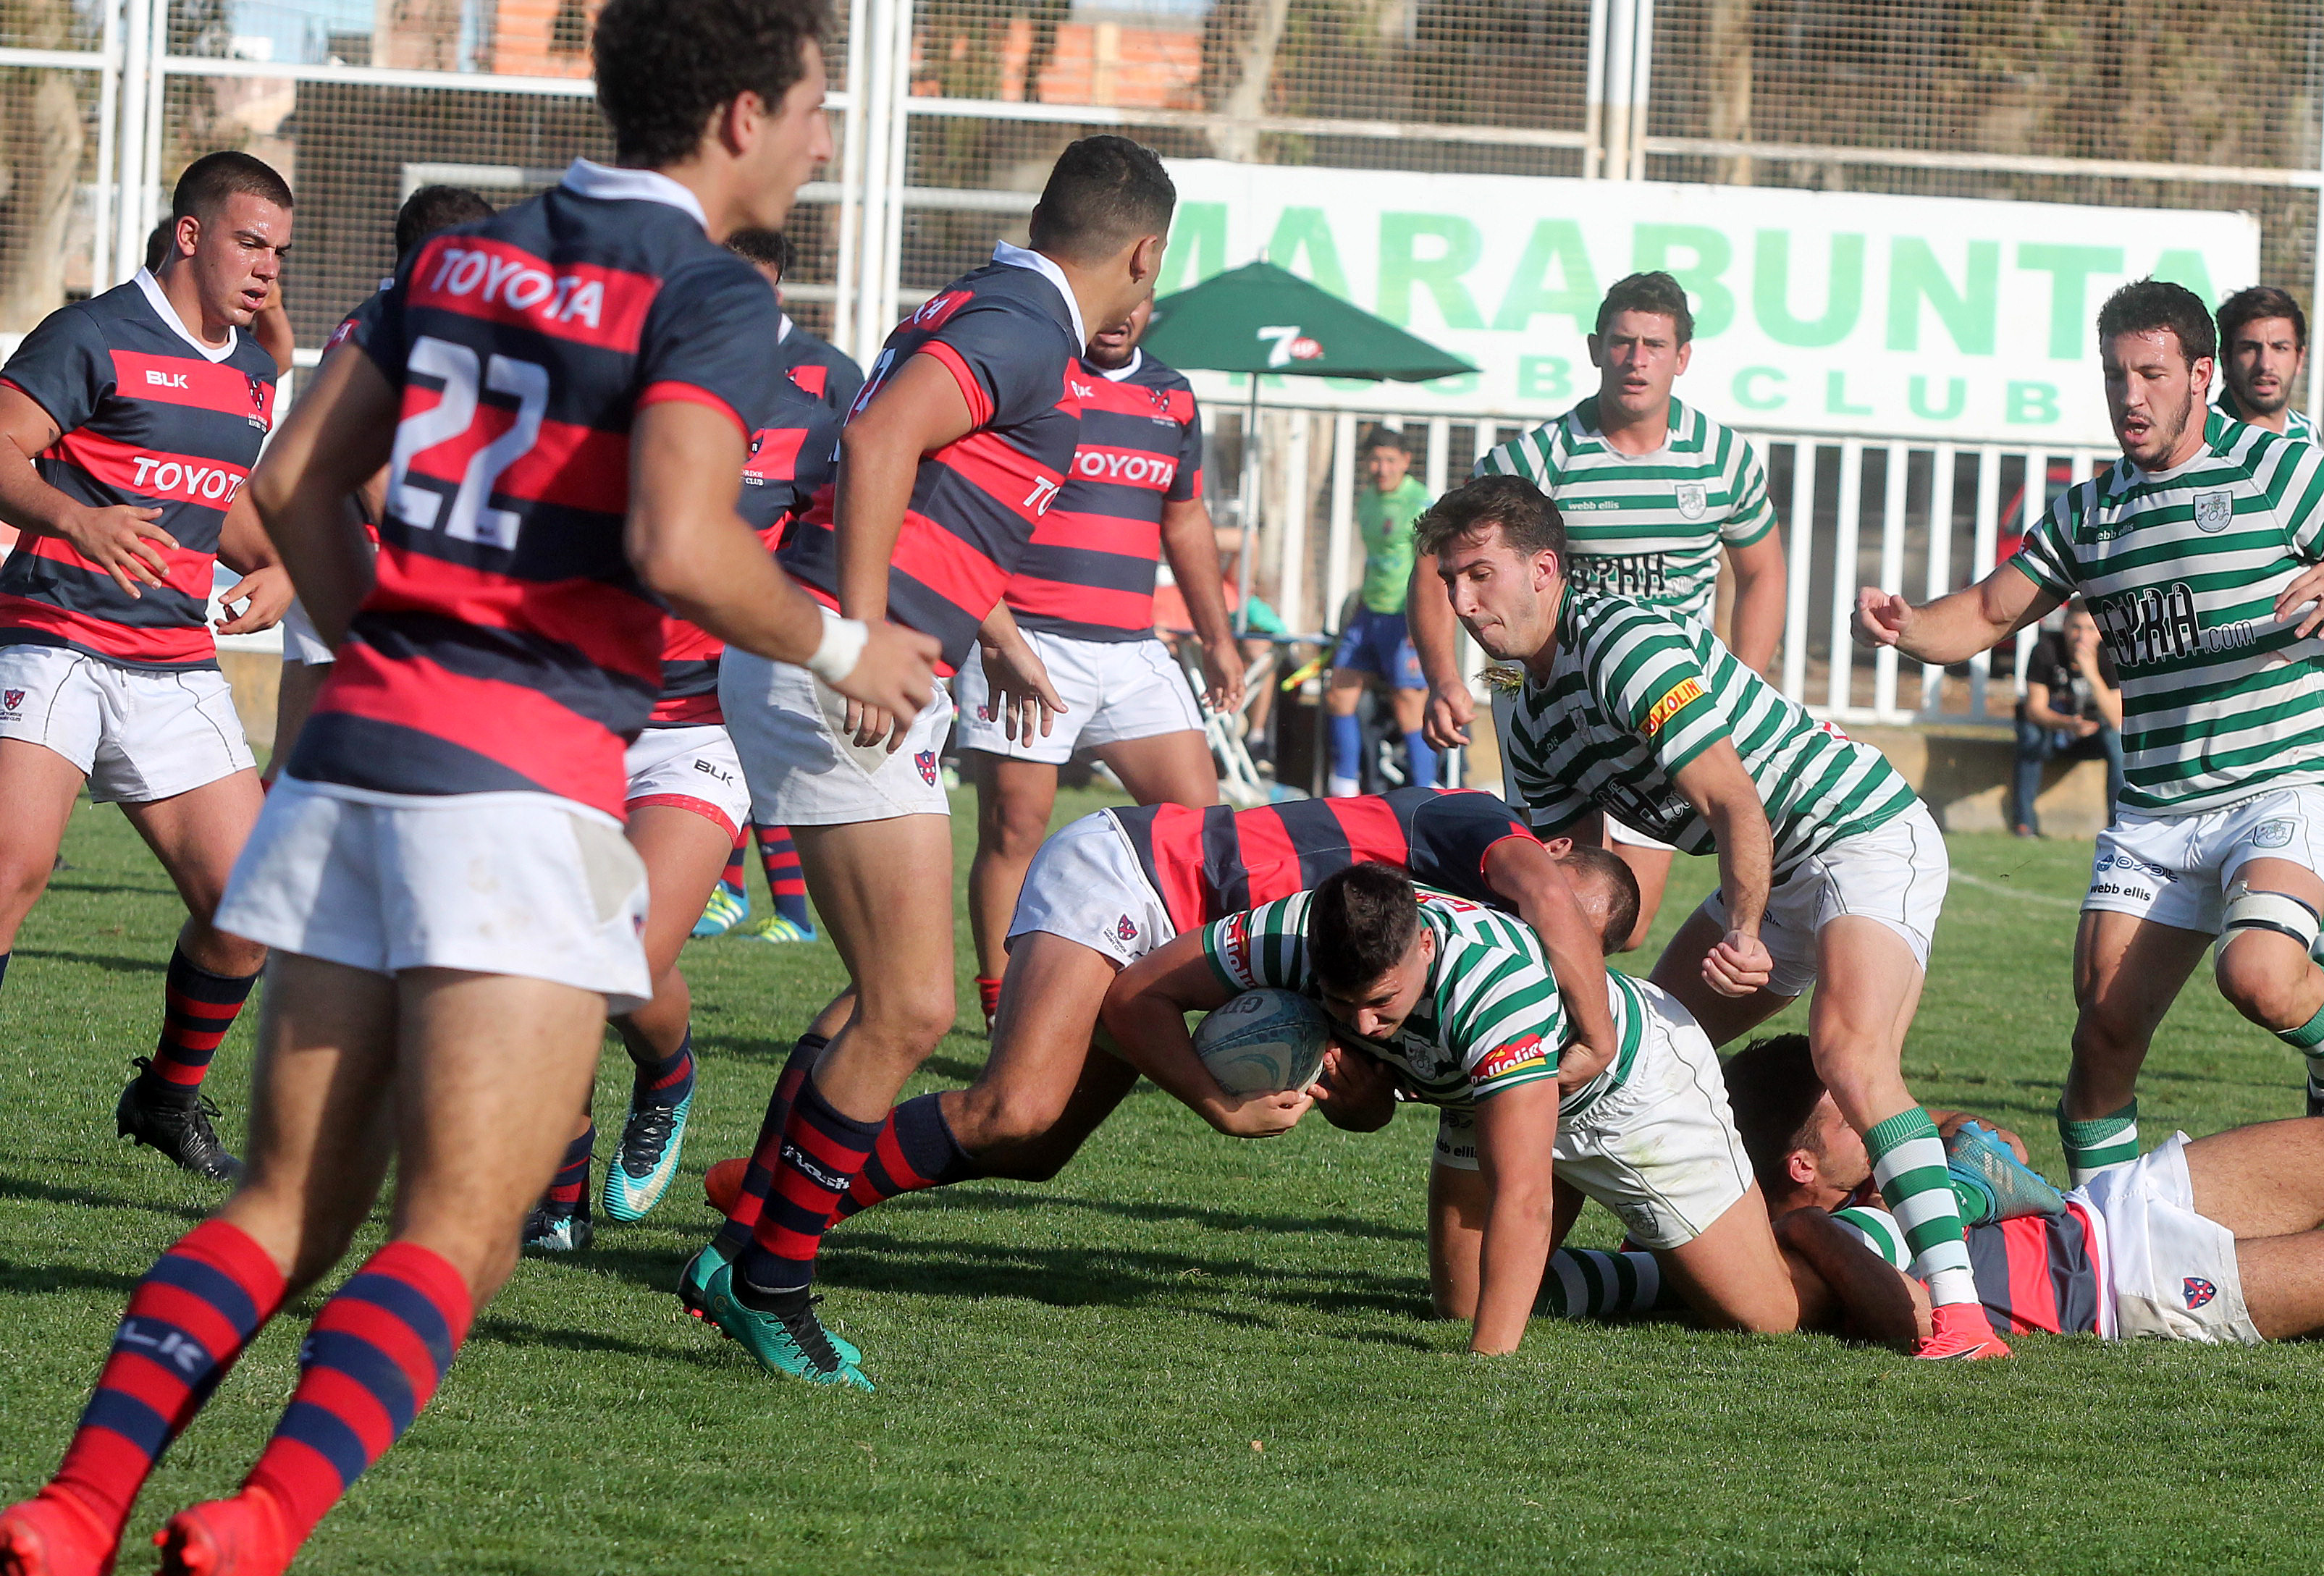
x=1895 y=873
x=1086 y=885
x=503 y=883
x=300 y=643
x=137 y=736
x=2176 y=870
x=1661 y=1151
x=1621 y=835
x=1114 y=691
x=690 y=769
x=804 y=770
x=2172 y=1272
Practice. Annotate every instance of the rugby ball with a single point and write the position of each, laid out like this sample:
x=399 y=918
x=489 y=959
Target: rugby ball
x=722 y=1184
x=1263 y=1042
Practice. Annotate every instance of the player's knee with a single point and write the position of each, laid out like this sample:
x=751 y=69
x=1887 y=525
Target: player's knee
x=22 y=882
x=1017 y=830
x=2263 y=963
x=997 y=1118
x=905 y=1013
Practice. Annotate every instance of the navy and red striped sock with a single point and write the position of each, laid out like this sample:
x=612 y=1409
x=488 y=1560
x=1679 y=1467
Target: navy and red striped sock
x=568 y=1191
x=759 y=1177
x=824 y=1150
x=198 y=1009
x=731 y=878
x=915 y=1151
x=786 y=883
x=187 y=1322
x=665 y=1081
x=371 y=1360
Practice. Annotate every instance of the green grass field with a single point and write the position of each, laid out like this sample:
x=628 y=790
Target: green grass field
x=1186 y=1354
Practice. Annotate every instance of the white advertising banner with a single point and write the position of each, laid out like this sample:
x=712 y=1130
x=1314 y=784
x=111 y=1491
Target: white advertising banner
x=1846 y=312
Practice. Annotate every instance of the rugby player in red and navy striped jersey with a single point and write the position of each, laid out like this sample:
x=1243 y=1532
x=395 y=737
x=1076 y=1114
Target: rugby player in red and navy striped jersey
x=956 y=450
x=2218 y=1239
x=565 y=393
x=1114 y=886
x=1084 y=595
x=820 y=368
x=131 y=421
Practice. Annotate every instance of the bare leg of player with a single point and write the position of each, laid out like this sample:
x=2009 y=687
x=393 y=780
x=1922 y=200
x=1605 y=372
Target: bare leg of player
x=198 y=835
x=1013 y=802
x=2261 y=1181
x=1166 y=768
x=2127 y=972
x=2283 y=1284
x=1045 y=1087
x=1458 y=1200
x=1732 y=1275
x=39 y=786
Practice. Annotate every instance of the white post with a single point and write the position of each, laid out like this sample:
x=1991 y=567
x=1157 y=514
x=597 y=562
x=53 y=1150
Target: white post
x=1982 y=539
x=1940 y=562
x=1342 y=532
x=872 y=177
x=2036 y=504
x=2316 y=294
x=1440 y=445
x=1642 y=57
x=1838 y=696
x=129 y=237
x=156 y=78
x=1801 y=527
x=1593 y=114
x=103 y=242
x=1624 y=23
x=1892 y=570
x=899 y=86
x=1293 y=575
x=845 y=302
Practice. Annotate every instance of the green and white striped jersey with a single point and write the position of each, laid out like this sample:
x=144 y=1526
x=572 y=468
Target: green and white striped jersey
x=2297 y=425
x=1634 y=694
x=1647 y=526
x=2182 y=570
x=1488 y=1019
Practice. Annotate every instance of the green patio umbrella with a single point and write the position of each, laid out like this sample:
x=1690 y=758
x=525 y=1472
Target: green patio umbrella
x=1262 y=320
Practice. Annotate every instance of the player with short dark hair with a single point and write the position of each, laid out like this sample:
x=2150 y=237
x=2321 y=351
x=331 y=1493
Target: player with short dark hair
x=1447 y=1003
x=564 y=395
x=2198 y=553
x=1116 y=884
x=814 y=364
x=1084 y=595
x=436 y=207
x=2262 y=346
x=956 y=448
x=131 y=422
x=1376 y=648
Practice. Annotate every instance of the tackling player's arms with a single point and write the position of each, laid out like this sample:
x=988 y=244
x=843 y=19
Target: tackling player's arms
x=1526 y=874
x=1146 y=1012
x=1845 y=1288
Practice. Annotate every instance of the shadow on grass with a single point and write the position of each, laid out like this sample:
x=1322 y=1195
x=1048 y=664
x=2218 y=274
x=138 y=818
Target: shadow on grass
x=47 y=1192
x=976 y=1196
x=516 y=1333
x=111 y=963
x=57 y=1278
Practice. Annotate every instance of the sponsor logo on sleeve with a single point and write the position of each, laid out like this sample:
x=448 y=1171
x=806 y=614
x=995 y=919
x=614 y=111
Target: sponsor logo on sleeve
x=1516 y=1056
x=1234 y=946
x=1675 y=699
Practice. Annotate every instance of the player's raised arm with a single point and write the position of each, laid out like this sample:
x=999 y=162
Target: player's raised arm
x=1516 y=1131
x=1146 y=1012
x=1954 y=628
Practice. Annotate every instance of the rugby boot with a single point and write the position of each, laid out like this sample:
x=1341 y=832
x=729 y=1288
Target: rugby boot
x=2315 y=1098
x=548 y=1230
x=176 y=1122
x=1977 y=1155
x=241 y=1537
x=778 y=928
x=791 y=1340
x=694 y=1296
x=728 y=907
x=1961 y=1334
x=54 y=1534
x=646 y=1161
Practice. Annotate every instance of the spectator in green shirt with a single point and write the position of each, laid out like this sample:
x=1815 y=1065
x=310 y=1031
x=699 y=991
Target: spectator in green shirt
x=1375 y=643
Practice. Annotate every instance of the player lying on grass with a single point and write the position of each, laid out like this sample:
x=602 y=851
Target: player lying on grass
x=2218 y=1239
x=1111 y=887
x=1458 y=1001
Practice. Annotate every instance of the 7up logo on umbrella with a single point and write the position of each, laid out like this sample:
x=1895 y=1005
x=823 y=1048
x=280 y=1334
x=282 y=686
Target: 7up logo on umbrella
x=1289 y=344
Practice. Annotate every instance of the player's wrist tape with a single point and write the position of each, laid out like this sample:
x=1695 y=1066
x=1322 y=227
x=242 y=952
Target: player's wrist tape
x=844 y=639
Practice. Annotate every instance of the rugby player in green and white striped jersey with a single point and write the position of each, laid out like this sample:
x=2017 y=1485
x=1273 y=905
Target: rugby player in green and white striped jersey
x=2263 y=346
x=1830 y=869
x=1651 y=491
x=2196 y=552
x=1458 y=1001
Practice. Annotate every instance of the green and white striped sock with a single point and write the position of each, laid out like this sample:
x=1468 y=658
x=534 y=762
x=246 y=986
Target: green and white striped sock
x=2100 y=1144
x=1582 y=1282
x=2308 y=1040
x=1908 y=1163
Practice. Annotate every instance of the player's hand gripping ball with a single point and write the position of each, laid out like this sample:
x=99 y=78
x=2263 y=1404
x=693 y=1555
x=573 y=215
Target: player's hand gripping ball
x=1263 y=1042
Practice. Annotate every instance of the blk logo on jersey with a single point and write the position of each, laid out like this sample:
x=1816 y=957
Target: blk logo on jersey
x=926 y=760
x=2196 y=1291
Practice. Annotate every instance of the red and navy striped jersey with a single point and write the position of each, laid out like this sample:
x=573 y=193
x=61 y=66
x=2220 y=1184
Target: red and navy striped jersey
x=2038 y=1273
x=147 y=417
x=1208 y=863
x=1089 y=573
x=1007 y=335
x=507 y=645
x=790 y=457
x=819 y=368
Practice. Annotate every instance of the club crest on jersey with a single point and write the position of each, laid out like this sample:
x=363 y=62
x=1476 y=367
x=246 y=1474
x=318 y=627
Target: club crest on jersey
x=2267 y=834
x=2196 y=1291
x=1692 y=499
x=11 y=699
x=2214 y=512
x=926 y=760
x=1125 y=931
